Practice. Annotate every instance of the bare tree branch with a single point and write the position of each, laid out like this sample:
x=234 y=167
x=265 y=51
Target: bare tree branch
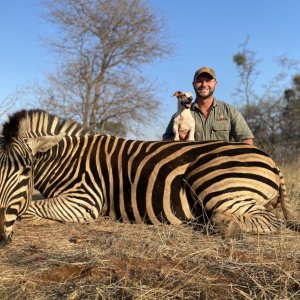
x=9 y=101
x=102 y=47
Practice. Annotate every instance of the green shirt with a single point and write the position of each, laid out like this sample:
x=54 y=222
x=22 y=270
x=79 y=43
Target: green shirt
x=224 y=122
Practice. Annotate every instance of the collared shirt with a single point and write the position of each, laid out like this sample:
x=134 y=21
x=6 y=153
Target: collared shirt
x=223 y=122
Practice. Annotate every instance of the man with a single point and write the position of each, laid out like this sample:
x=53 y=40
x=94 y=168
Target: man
x=215 y=120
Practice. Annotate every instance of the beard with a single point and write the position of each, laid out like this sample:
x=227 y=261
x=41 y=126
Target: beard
x=201 y=96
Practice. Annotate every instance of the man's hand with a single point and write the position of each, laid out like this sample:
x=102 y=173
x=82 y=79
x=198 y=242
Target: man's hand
x=249 y=141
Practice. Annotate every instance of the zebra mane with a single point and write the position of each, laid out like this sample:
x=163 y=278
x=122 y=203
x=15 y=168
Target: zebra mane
x=37 y=122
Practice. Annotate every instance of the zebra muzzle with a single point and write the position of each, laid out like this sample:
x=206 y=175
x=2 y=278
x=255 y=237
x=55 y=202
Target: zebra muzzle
x=5 y=236
x=5 y=240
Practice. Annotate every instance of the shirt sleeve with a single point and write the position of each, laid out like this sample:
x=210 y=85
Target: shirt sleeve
x=239 y=128
x=169 y=135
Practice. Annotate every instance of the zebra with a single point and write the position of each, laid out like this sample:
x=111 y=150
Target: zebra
x=83 y=176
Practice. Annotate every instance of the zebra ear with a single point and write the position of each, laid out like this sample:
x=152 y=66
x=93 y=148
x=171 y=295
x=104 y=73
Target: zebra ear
x=44 y=143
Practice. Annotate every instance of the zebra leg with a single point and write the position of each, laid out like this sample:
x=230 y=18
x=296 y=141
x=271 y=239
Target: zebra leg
x=62 y=209
x=227 y=226
x=248 y=218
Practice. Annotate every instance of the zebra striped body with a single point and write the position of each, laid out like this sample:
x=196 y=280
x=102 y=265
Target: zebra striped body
x=16 y=184
x=83 y=176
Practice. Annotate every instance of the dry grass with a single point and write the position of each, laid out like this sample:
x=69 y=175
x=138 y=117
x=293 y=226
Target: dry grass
x=110 y=260
x=292 y=178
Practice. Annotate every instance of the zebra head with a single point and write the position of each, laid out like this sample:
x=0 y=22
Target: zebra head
x=17 y=153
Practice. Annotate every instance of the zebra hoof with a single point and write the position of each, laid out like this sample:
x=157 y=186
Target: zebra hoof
x=227 y=227
x=5 y=240
x=234 y=231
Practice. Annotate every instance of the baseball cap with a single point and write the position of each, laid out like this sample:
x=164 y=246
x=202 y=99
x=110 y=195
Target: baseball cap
x=207 y=70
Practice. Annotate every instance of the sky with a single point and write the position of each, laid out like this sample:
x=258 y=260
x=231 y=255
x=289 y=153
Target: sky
x=203 y=32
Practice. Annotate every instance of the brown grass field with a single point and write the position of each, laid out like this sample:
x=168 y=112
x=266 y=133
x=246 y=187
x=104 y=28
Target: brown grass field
x=111 y=260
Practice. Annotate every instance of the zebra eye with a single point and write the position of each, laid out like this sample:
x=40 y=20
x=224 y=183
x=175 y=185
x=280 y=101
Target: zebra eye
x=26 y=171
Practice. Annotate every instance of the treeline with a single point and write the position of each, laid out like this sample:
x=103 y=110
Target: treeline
x=273 y=114
x=276 y=125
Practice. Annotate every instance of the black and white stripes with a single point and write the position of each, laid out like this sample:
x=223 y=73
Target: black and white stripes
x=83 y=176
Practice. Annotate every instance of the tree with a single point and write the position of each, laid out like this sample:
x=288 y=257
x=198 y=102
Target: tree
x=102 y=46
x=290 y=116
x=263 y=110
x=247 y=68
x=7 y=104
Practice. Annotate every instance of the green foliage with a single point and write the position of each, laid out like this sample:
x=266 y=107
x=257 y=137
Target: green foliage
x=240 y=59
x=296 y=82
x=289 y=94
x=290 y=124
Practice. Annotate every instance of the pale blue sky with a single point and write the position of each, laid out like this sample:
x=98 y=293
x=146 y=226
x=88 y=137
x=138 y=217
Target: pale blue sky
x=204 y=32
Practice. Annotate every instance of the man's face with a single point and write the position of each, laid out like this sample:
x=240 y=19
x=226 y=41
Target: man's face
x=204 y=86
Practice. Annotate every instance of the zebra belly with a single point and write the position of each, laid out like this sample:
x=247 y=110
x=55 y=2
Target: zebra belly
x=160 y=199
